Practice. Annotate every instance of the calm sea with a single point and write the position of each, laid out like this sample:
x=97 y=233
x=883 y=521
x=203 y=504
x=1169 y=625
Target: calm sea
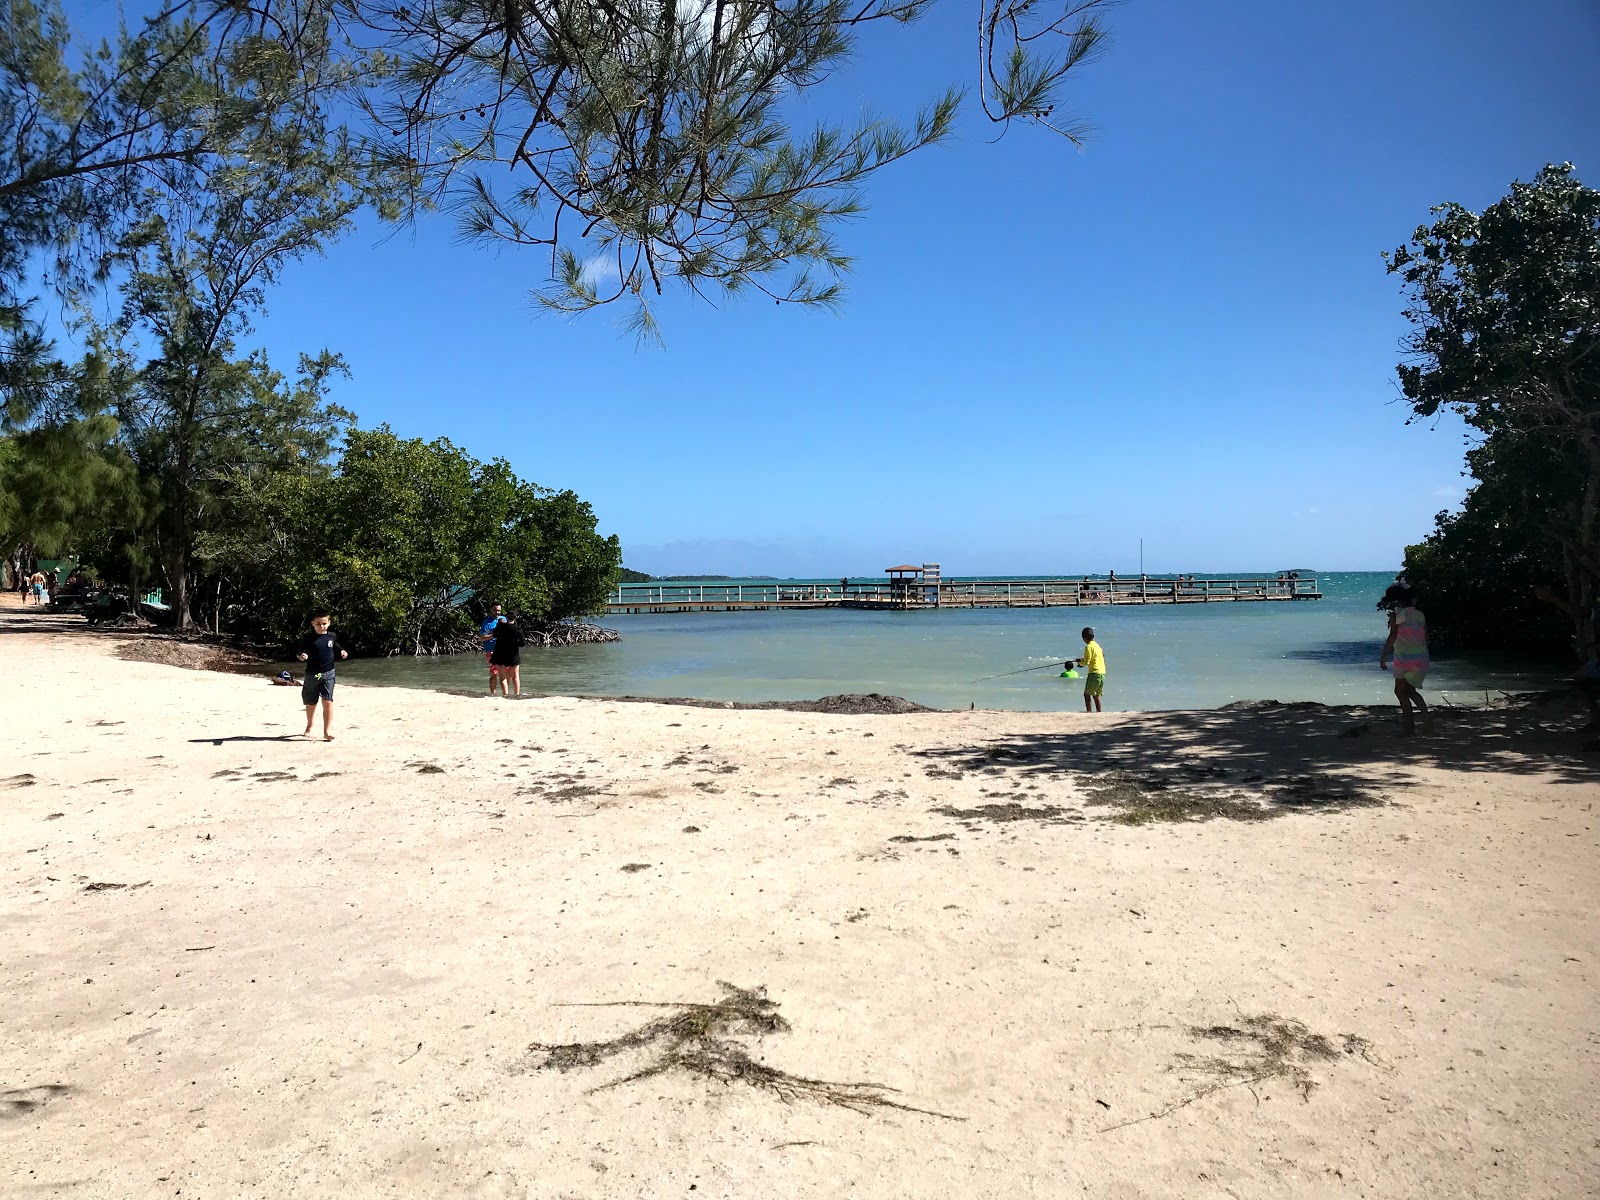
x=1173 y=656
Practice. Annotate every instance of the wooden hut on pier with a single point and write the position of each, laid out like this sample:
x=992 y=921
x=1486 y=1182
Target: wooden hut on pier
x=913 y=586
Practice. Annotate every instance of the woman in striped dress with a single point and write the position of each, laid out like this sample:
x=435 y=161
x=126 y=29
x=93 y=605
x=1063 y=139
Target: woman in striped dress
x=1407 y=645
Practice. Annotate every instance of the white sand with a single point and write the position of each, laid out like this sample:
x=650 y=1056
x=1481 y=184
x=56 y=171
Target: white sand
x=247 y=1019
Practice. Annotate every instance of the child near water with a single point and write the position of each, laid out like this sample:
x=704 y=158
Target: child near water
x=1407 y=644
x=319 y=650
x=1094 y=663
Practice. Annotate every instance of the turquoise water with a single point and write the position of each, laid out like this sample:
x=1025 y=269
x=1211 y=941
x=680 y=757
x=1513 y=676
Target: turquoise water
x=1157 y=656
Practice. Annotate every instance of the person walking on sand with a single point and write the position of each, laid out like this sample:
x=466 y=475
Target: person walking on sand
x=1094 y=664
x=1407 y=645
x=319 y=650
x=36 y=586
x=507 y=657
x=486 y=640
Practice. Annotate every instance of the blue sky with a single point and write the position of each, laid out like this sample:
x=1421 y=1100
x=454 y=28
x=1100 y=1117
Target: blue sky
x=1182 y=333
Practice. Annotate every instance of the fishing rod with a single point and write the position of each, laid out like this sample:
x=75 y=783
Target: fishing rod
x=1049 y=666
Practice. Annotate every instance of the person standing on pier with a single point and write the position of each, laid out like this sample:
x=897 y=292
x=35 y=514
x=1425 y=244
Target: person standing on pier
x=1094 y=664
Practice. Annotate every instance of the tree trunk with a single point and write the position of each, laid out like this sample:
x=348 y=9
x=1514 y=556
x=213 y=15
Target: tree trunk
x=185 y=435
x=179 y=600
x=1584 y=563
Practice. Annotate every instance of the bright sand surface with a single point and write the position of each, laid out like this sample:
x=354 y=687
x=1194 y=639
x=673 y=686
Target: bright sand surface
x=329 y=962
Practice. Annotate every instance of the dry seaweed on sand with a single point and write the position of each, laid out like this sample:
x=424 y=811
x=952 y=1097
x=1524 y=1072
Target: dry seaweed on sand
x=1258 y=1049
x=1000 y=814
x=173 y=651
x=700 y=1040
x=1316 y=793
x=1145 y=799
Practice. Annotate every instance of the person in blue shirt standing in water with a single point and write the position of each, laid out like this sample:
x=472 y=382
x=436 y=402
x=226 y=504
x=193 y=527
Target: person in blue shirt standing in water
x=486 y=637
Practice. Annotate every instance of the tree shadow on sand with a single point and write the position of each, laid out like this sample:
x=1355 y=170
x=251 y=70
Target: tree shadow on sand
x=1302 y=757
x=699 y=1040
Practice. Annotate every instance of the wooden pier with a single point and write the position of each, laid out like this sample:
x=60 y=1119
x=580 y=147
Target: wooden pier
x=902 y=593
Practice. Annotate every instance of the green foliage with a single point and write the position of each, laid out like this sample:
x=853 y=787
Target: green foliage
x=190 y=159
x=1018 y=81
x=187 y=104
x=641 y=143
x=637 y=143
x=198 y=411
x=65 y=471
x=1478 y=569
x=13 y=529
x=409 y=541
x=627 y=576
x=1505 y=308
x=1504 y=304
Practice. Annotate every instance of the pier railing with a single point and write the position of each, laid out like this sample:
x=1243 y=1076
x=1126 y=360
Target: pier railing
x=954 y=593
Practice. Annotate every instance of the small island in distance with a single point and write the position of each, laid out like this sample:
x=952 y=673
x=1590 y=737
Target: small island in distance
x=641 y=577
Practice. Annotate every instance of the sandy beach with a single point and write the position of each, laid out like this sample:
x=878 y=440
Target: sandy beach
x=567 y=948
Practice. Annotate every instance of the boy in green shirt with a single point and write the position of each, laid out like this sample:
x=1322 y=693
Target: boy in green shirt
x=1094 y=662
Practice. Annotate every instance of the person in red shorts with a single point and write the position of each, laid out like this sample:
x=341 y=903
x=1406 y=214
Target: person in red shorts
x=486 y=639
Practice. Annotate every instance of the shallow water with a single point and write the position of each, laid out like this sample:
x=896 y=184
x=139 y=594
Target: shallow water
x=1157 y=656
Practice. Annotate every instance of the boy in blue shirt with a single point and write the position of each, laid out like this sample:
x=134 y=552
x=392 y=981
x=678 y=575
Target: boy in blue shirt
x=486 y=639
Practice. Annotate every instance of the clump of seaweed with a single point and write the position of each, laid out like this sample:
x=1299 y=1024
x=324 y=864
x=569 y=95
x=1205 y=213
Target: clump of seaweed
x=571 y=791
x=1000 y=814
x=882 y=795
x=698 y=1039
x=1316 y=793
x=1261 y=1048
x=1146 y=799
